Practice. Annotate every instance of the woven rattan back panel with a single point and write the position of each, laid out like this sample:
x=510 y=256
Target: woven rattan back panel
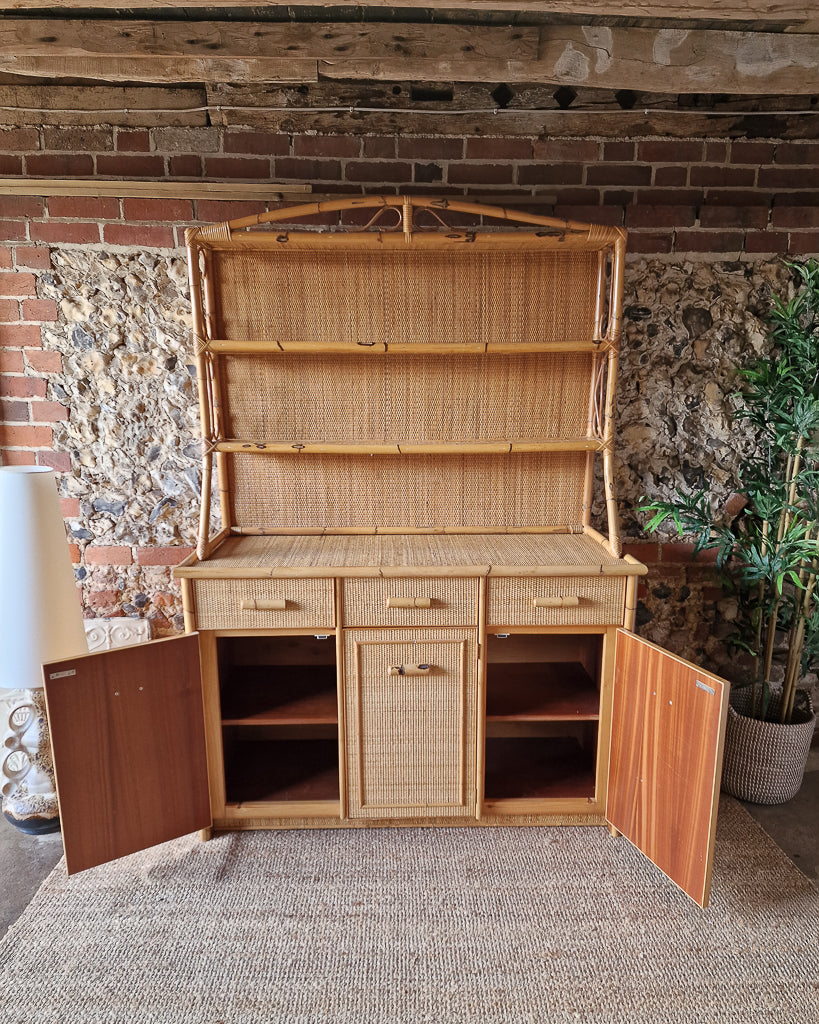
x=409 y=297
x=407 y=398
x=416 y=491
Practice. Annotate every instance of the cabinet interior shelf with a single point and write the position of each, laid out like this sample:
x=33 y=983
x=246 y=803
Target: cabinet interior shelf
x=530 y=692
x=291 y=695
x=538 y=768
x=282 y=770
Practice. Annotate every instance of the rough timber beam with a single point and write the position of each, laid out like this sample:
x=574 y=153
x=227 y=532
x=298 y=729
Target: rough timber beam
x=670 y=60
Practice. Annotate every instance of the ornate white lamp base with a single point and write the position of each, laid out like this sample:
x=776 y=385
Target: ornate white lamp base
x=29 y=795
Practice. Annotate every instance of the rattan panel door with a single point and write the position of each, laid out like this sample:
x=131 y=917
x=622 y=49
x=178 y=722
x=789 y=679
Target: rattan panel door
x=410 y=700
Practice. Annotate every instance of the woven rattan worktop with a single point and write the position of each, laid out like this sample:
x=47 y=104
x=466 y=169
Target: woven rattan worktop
x=445 y=555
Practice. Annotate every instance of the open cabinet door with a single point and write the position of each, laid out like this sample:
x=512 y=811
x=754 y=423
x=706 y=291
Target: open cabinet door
x=668 y=730
x=128 y=736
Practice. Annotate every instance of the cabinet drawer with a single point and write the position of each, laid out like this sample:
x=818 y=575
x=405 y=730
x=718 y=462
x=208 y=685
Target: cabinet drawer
x=263 y=604
x=561 y=601
x=427 y=601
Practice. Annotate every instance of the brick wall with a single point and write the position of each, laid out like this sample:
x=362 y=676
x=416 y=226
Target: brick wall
x=688 y=199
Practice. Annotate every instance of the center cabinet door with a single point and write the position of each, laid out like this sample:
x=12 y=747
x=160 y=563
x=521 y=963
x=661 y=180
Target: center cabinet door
x=665 y=766
x=128 y=737
x=410 y=709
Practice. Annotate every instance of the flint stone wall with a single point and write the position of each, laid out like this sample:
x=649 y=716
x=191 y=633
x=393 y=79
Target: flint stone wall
x=133 y=436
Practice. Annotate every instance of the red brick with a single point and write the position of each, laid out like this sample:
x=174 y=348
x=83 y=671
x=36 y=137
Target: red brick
x=733 y=217
x=382 y=148
x=480 y=174
x=74 y=553
x=186 y=166
x=579 y=196
x=798 y=153
x=35 y=257
x=11 y=360
x=648 y=242
x=5 y=258
x=61 y=231
x=133 y=142
x=549 y=174
x=618 y=174
x=161 y=556
x=60 y=462
x=84 y=207
x=709 y=241
x=670 y=152
x=157 y=209
x=78 y=139
x=127 y=166
x=19 y=139
x=716 y=152
x=237 y=167
x=683 y=552
x=256 y=143
x=20 y=335
x=48 y=412
x=12 y=230
x=796 y=198
x=788 y=177
x=619 y=151
x=217 y=210
x=11 y=165
x=795 y=216
x=430 y=149
x=142 y=235
x=28 y=207
x=28 y=437
x=9 y=314
x=752 y=152
x=44 y=361
x=14 y=411
x=104 y=601
x=766 y=241
x=803 y=243
x=643 y=552
x=377 y=171
x=591 y=214
x=60 y=165
x=566 y=150
x=309 y=169
x=326 y=145
x=42 y=310
x=23 y=387
x=734 y=197
x=17 y=284
x=100 y=554
x=17 y=458
x=498 y=149
x=644 y=216
x=671 y=175
x=722 y=177
x=70 y=507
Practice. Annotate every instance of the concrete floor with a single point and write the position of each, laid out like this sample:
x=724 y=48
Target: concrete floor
x=25 y=860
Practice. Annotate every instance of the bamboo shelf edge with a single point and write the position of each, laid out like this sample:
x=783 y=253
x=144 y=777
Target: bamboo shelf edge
x=205 y=571
x=580 y=444
x=228 y=346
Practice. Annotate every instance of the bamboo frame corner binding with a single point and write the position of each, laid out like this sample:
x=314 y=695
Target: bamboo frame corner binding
x=404 y=232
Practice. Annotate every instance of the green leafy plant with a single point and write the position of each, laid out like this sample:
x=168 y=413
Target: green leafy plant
x=770 y=549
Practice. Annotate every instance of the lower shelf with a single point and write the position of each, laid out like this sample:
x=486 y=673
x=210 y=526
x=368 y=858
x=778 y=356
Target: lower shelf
x=539 y=768
x=282 y=770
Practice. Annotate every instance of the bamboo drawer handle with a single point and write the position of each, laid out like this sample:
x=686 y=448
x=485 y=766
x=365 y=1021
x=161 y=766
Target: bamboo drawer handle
x=570 y=601
x=409 y=670
x=409 y=602
x=257 y=604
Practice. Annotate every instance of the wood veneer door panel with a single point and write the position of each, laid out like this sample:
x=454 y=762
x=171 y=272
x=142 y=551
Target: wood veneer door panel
x=127 y=732
x=668 y=728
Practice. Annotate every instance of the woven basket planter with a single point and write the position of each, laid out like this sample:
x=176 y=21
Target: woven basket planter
x=765 y=761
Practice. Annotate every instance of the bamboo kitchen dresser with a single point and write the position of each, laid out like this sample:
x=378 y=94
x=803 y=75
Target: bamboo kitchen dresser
x=407 y=617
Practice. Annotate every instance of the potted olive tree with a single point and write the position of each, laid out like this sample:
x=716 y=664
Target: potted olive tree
x=769 y=550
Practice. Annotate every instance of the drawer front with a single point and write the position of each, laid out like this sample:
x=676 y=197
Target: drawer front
x=556 y=600
x=263 y=604
x=427 y=601
x=410 y=702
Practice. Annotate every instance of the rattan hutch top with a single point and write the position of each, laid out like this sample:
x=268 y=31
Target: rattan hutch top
x=420 y=369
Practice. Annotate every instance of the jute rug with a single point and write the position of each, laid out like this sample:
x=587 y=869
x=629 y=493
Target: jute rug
x=541 y=926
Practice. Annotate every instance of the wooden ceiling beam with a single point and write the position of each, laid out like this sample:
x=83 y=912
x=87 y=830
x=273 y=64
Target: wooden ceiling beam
x=671 y=60
x=779 y=12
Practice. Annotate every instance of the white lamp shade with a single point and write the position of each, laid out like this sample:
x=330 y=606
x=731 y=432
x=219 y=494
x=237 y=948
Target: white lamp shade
x=40 y=614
